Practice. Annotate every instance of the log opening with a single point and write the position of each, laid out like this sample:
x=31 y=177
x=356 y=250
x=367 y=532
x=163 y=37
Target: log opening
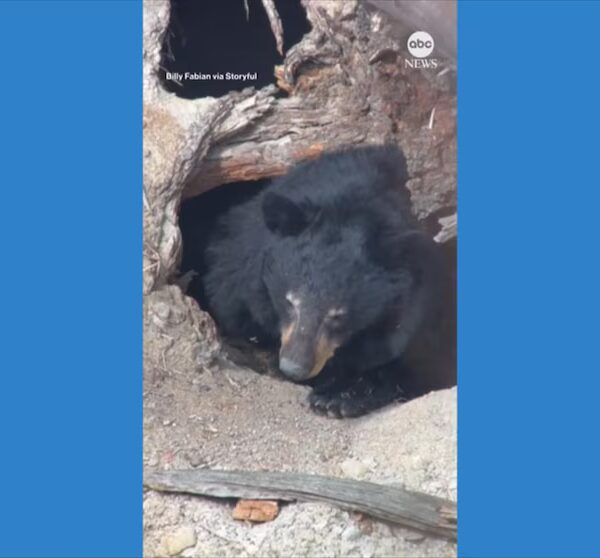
x=333 y=78
x=432 y=360
x=212 y=39
x=198 y=217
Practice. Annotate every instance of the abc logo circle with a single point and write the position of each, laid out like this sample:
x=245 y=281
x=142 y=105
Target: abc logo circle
x=420 y=44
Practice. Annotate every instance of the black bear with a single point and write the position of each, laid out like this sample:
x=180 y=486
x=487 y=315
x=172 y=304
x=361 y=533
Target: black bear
x=328 y=264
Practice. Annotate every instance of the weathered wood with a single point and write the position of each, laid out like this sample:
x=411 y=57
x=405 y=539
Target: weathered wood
x=288 y=136
x=275 y=22
x=449 y=228
x=346 y=85
x=428 y=514
x=437 y=18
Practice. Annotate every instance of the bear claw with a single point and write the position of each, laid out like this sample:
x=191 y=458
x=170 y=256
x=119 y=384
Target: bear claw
x=348 y=403
x=337 y=405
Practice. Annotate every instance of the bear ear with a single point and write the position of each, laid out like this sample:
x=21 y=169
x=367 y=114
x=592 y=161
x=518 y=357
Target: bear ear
x=283 y=216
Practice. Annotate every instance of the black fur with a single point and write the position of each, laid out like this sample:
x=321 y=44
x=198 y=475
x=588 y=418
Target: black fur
x=339 y=231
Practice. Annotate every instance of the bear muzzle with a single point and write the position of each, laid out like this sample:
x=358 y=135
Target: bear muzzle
x=292 y=370
x=301 y=358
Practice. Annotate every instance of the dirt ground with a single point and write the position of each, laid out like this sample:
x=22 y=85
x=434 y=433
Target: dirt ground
x=228 y=417
x=197 y=414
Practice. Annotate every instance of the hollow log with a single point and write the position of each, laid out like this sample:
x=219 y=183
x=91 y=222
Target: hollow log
x=346 y=84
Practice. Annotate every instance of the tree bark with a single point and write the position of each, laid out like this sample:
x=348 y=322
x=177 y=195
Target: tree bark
x=347 y=85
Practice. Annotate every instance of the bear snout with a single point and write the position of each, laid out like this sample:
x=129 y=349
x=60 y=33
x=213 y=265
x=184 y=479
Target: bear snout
x=302 y=358
x=292 y=369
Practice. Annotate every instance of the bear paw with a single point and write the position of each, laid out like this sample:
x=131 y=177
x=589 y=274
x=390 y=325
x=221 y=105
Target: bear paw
x=353 y=402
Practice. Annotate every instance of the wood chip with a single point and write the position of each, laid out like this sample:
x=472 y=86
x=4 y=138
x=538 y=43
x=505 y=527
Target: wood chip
x=258 y=511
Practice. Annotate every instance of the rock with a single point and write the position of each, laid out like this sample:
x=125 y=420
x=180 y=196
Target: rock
x=175 y=543
x=353 y=468
x=351 y=533
x=257 y=511
x=196 y=459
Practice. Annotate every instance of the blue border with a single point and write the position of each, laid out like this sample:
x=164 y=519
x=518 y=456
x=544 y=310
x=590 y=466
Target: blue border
x=71 y=390
x=70 y=400
x=529 y=276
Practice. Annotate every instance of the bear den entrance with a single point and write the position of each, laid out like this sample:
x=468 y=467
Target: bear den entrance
x=212 y=38
x=220 y=37
x=435 y=356
x=198 y=217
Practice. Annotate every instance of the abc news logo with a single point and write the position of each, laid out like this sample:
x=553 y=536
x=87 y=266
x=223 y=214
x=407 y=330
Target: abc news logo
x=420 y=44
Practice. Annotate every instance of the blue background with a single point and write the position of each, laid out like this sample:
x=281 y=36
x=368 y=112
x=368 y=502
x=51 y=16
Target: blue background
x=528 y=279
x=71 y=352
x=70 y=397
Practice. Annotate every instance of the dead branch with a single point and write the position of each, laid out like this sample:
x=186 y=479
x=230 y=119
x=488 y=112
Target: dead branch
x=275 y=22
x=429 y=514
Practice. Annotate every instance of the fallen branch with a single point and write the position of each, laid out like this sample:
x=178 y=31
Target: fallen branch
x=244 y=151
x=275 y=22
x=428 y=514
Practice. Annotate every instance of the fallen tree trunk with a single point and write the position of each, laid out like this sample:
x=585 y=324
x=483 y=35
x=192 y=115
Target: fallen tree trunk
x=429 y=514
x=346 y=83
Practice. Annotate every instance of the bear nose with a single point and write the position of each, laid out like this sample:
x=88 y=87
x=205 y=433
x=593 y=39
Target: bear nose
x=291 y=368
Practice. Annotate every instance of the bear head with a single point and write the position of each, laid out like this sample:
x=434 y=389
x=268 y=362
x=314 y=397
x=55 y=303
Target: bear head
x=332 y=273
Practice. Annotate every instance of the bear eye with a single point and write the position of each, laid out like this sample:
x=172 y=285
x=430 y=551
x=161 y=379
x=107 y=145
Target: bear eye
x=335 y=319
x=334 y=322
